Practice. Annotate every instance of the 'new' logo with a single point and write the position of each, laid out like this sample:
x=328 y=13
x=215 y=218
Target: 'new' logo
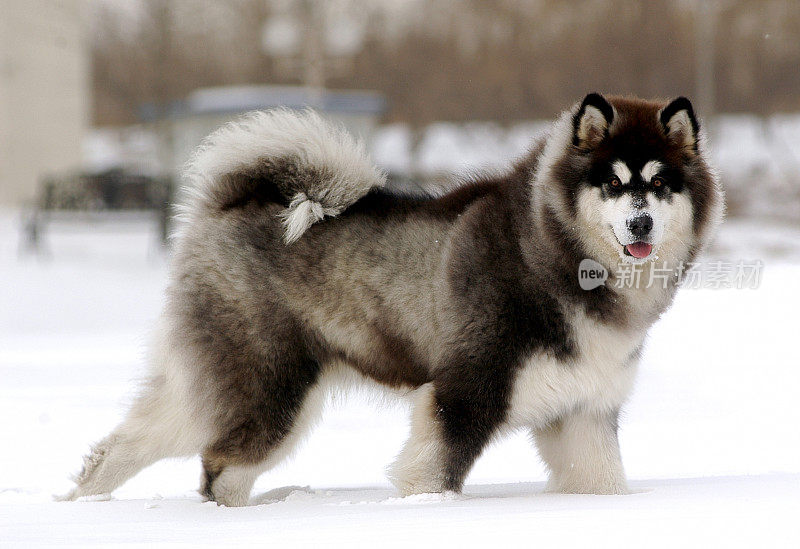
x=591 y=274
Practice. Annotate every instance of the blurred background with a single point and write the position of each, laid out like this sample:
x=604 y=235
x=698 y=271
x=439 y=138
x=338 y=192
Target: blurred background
x=101 y=102
x=127 y=88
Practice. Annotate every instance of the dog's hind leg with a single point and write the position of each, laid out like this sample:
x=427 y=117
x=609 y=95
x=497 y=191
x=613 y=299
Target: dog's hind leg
x=273 y=412
x=160 y=424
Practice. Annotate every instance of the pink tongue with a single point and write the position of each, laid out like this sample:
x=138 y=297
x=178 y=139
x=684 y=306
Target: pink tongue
x=639 y=250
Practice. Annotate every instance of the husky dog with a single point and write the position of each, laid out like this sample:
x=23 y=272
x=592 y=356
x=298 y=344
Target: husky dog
x=295 y=270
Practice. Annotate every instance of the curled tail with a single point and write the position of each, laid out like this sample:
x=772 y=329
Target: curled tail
x=298 y=159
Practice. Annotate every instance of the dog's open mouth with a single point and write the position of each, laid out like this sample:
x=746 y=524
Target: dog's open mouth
x=639 y=250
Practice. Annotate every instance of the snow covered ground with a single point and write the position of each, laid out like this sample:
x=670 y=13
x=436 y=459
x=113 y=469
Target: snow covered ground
x=710 y=438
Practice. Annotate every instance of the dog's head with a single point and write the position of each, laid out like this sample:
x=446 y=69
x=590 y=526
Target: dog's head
x=630 y=177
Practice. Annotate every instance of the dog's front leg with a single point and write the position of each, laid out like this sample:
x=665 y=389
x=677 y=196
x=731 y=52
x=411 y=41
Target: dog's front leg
x=581 y=450
x=451 y=424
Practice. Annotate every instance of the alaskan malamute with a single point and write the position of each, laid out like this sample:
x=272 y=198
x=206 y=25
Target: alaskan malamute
x=295 y=271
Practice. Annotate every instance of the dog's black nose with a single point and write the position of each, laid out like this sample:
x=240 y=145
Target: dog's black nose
x=640 y=225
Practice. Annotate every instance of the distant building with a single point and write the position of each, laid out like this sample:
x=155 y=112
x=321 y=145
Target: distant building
x=182 y=125
x=44 y=93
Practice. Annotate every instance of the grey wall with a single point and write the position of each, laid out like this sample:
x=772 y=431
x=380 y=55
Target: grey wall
x=44 y=92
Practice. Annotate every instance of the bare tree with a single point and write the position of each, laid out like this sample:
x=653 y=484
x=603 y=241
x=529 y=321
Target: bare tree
x=462 y=59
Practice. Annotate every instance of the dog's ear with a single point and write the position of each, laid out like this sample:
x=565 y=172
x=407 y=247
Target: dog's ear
x=680 y=124
x=590 y=124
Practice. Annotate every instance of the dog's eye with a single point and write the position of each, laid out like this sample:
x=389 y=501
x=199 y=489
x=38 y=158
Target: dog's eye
x=657 y=182
x=614 y=182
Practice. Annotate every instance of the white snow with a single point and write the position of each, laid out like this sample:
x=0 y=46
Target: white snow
x=710 y=438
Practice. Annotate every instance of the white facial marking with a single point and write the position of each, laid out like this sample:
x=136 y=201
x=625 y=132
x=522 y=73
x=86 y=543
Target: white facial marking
x=651 y=169
x=619 y=212
x=622 y=171
x=607 y=223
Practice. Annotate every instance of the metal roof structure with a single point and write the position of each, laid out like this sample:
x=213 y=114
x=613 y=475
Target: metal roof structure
x=238 y=99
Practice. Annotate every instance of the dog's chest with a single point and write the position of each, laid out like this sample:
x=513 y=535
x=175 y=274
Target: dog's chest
x=599 y=376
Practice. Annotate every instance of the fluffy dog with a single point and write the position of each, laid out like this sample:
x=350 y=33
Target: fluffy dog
x=294 y=270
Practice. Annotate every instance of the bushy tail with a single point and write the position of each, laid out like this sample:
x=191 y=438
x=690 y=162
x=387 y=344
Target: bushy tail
x=315 y=168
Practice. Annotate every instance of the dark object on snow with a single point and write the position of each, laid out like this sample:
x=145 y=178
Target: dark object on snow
x=111 y=195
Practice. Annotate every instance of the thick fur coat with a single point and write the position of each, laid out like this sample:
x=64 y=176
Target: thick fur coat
x=295 y=272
